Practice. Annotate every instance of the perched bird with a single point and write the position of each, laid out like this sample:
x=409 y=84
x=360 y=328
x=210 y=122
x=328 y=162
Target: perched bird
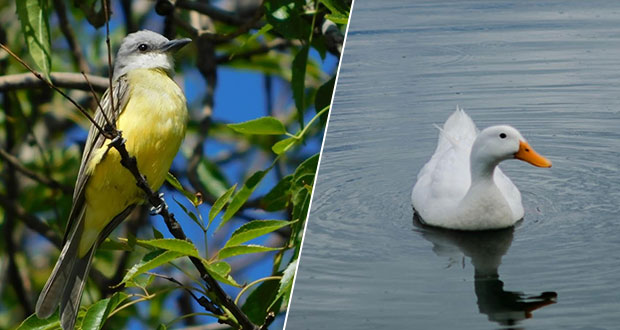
x=150 y=110
x=461 y=187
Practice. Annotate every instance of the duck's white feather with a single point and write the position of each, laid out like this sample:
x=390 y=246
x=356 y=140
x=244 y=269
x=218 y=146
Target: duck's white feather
x=445 y=180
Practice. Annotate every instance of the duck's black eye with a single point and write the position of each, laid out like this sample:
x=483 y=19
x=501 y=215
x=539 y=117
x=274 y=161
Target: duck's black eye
x=502 y=135
x=143 y=47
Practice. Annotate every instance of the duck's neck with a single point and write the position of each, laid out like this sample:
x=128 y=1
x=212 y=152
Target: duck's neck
x=482 y=168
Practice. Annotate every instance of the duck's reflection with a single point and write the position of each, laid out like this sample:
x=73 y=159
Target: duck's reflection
x=486 y=249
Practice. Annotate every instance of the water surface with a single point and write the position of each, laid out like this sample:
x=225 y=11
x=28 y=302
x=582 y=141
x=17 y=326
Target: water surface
x=552 y=70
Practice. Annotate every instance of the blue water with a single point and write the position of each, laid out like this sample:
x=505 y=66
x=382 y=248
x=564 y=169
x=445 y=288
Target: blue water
x=550 y=69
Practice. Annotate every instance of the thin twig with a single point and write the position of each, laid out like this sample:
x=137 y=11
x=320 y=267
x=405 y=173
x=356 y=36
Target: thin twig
x=154 y=199
x=38 y=75
x=175 y=229
x=245 y=288
x=243 y=28
x=271 y=316
x=107 y=120
x=33 y=175
x=60 y=79
x=185 y=25
x=272 y=45
x=107 y=42
x=31 y=221
x=211 y=11
x=202 y=301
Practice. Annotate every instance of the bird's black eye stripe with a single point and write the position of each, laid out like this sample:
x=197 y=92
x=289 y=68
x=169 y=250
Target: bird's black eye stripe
x=143 y=47
x=502 y=135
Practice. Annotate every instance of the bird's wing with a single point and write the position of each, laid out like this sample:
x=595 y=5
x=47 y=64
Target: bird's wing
x=95 y=140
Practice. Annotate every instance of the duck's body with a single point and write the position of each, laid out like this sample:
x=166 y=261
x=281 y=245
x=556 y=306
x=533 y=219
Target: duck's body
x=461 y=187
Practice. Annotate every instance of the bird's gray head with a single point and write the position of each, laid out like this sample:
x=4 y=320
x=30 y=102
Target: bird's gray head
x=146 y=50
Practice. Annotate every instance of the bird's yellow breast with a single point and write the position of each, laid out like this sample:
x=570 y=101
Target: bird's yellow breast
x=153 y=122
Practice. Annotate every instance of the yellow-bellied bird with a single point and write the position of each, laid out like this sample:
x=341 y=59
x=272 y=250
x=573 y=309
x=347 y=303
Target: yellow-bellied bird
x=150 y=110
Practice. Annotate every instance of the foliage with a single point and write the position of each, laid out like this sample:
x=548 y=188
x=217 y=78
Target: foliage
x=244 y=184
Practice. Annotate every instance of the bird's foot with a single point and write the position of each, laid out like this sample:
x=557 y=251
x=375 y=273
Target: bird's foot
x=118 y=140
x=162 y=206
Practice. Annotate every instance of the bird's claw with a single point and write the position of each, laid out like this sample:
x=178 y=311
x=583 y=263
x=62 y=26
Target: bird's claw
x=162 y=205
x=118 y=140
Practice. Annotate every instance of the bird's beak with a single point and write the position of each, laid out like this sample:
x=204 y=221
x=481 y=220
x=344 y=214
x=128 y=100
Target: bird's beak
x=527 y=154
x=174 y=45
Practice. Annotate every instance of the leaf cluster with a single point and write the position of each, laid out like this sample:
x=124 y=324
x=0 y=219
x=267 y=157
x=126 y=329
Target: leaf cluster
x=249 y=200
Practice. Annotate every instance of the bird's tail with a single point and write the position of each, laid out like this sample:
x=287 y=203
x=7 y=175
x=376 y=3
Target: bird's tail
x=66 y=283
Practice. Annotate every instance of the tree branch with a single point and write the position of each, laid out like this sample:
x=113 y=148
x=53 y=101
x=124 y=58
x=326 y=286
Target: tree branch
x=275 y=44
x=153 y=198
x=60 y=79
x=243 y=28
x=54 y=87
x=30 y=220
x=33 y=175
x=175 y=229
x=211 y=11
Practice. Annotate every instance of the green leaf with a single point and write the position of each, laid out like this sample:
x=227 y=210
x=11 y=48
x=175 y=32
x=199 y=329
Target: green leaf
x=254 y=229
x=261 y=126
x=298 y=82
x=336 y=6
x=34 y=16
x=220 y=202
x=307 y=167
x=323 y=97
x=299 y=203
x=286 y=283
x=221 y=272
x=266 y=28
x=110 y=244
x=34 y=323
x=232 y=251
x=286 y=16
x=98 y=313
x=141 y=281
x=258 y=303
x=242 y=196
x=278 y=197
x=174 y=182
x=337 y=18
x=222 y=268
x=150 y=261
x=278 y=64
x=189 y=214
x=211 y=178
x=172 y=244
x=157 y=234
x=282 y=146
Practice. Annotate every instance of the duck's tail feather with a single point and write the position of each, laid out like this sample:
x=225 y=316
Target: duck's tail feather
x=458 y=131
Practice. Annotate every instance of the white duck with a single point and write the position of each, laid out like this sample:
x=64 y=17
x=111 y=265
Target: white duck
x=461 y=187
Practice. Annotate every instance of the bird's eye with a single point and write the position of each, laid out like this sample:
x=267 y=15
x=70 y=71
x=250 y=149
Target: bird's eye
x=502 y=135
x=143 y=47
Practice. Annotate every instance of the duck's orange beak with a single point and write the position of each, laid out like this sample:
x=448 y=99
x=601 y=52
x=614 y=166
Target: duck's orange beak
x=527 y=154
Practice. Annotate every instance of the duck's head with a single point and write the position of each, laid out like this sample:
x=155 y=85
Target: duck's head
x=497 y=143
